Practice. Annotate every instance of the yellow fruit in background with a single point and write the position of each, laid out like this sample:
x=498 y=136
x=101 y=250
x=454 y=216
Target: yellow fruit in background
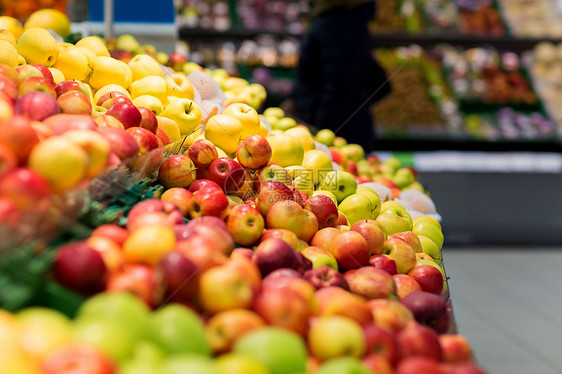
x=179 y=86
x=224 y=131
x=170 y=127
x=73 y=63
x=107 y=70
x=49 y=19
x=8 y=54
x=148 y=244
x=108 y=88
x=151 y=85
x=12 y=25
x=58 y=76
x=143 y=66
x=286 y=150
x=94 y=44
x=7 y=36
x=38 y=46
x=305 y=137
x=150 y=102
x=319 y=163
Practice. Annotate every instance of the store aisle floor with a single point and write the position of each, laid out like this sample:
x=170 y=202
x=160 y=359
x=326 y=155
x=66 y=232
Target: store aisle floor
x=508 y=303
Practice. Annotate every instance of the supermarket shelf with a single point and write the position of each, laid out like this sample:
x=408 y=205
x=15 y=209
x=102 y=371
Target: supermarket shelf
x=468 y=41
x=237 y=32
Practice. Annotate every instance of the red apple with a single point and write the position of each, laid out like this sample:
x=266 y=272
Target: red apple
x=208 y=203
x=163 y=136
x=254 y=152
x=310 y=227
x=272 y=192
x=177 y=171
x=428 y=277
x=8 y=159
x=288 y=236
x=381 y=342
x=148 y=120
x=325 y=276
x=176 y=61
x=37 y=84
x=146 y=140
x=121 y=55
x=410 y=238
x=113 y=232
x=372 y=234
x=371 y=283
x=428 y=309
x=205 y=253
x=247 y=189
x=18 y=136
x=71 y=85
x=245 y=224
x=10 y=73
x=209 y=221
x=400 y=252
x=418 y=340
x=180 y=277
x=45 y=72
x=36 y=105
x=127 y=113
x=79 y=267
x=272 y=254
x=122 y=143
x=462 y=368
x=76 y=358
x=384 y=262
x=104 y=120
x=455 y=348
x=178 y=196
x=405 y=285
x=24 y=187
x=287 y=215
x=324 y=209
x=418 y=365
x=390 y=314
x=349 y=248
x=225 y=328
x=27 y=71
x=227 y=173
x=142 y=281
x=10 y=215
x=109 y=95
x=114 y=100
x=8 y=87
x=168 y=210
x=204 y=185
x=60 y=123
x=342 y=220
x=74 y=102
x=202 y=152
x=337 y=301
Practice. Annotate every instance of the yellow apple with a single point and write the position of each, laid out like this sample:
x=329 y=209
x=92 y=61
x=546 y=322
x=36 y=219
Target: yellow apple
x=190 y=67
x=150 y=102
x=235 y=84
x=305 y=137
x=143 y=66
x=8 y=54
x=262 y=130
x=185 y=112
x=224 y=131
x=58 y=76
x=151 y=85
x=94 y=44
x=90 y=55
x=73 y=63
x=247 y=115
x=319 y=163
x=286 y=150
x=37 y=46
x=108 y=88
x=221 y=152
x=193 y=137
x=179 y=86
x=107 y=70
x=170 y=127
x=127 y=42
x=95 y=145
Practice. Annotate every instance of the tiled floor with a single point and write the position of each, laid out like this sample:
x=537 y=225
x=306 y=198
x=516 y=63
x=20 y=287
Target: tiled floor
x=508 y=303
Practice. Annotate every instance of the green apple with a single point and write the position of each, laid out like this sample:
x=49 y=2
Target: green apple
x=281 y=351
x=185 y=112
x=320 y=257
x=161 y=57
x=420 y=262
x=428 y=219
x=325 y=136
x=357 y=207
x=234 y=200
x=343 y=365
x=319 y=163
x=341 y=183
x=429 y=230
x=336 y=336
x=297 y=171
x=353 y=152
x=134 y=367
x=43 y=330
x=274 y=112
x=429 y=247
x=122 y=307
x=339 y=142
x=392 y=207
x=110 y=337
x=170 y=325
x=373 y=198
x=404 y=177
x=127 y=42
x=284 y=123
x=327 y=194
x=189 y=363
x=392 y=223
x=233 y=363
x=391 y=164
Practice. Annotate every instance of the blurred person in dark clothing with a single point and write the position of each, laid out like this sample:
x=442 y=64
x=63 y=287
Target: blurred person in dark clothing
x=338 y=78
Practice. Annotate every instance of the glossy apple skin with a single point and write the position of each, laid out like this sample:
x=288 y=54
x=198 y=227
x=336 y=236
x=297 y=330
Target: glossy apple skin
x=204 y=184
x=418 y=340
x=324 y=209
x=349 y=248
x=245 y=224
x=227 y=173
x=288 y=236
x=325 y=276
x=428 y=309
x=372 y=234
x=123 y=144
x=405 y=285
x=177 y=171
x=272 y=192
x=146 y=140
x=409 y=238
x=70 y=85
x=429 y=278
x=401 y=253
x=61 y=123
x=371 y=283
x=202 y=152
x=125 y=112
x=455 y=348
x=74 y=102
x=148 y=120
x=272 y=254
x=208 y=203
x=180 y=197
x=254 y=152
x=110 y=95
x=384 y=262
x=37 y=84
x=36 y=105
